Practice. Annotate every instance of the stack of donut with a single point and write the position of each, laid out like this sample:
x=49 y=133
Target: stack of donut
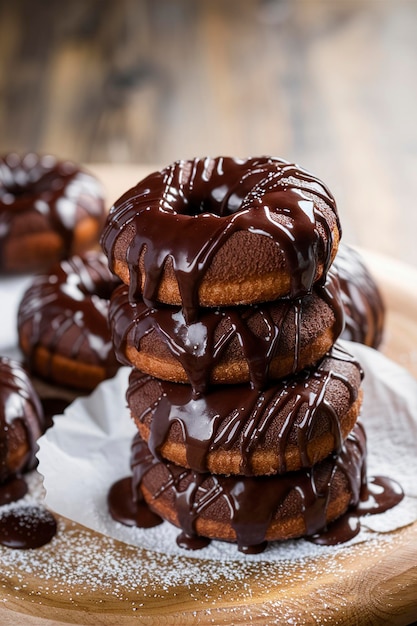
x=229 y=312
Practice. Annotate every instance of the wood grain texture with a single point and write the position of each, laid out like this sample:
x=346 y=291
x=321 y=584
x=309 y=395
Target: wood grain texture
x=327 y=84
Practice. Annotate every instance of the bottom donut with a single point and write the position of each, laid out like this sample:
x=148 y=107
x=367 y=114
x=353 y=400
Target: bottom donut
x=251 y=510
x=323 y=503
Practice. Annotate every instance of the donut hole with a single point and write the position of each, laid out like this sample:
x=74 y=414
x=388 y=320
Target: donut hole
x=206 y=190
x=220 y=202
x=200 y=206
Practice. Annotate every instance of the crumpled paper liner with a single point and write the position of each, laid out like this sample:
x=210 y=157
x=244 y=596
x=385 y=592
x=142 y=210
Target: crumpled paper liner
x=88 y=449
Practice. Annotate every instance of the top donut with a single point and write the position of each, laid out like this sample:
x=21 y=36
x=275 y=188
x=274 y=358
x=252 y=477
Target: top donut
x=223 y=231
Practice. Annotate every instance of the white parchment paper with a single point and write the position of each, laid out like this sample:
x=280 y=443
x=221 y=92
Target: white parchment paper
x=88 y=449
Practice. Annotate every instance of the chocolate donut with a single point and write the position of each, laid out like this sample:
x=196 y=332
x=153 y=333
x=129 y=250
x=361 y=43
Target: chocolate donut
x=49 y=210
x=22 y=420
x=227 y=345
x=292 y=423
x=252 y=510
x=362 y=300
x=63 y=326
x=222 y=232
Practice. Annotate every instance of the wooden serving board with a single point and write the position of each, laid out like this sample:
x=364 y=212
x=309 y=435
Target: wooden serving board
x=370 y=583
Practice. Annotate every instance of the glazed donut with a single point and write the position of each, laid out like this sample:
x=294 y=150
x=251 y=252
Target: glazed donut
x=227 y=345
x=22 y=420
x=62 y=323
x=234 y=429
x=252 y=510
x=362 y=300
x=221 y=232
x=49 y=210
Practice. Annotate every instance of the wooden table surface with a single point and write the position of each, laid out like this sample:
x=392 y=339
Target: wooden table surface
x=328 y=84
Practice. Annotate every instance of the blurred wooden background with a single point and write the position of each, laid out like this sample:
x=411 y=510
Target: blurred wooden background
x=331 y=84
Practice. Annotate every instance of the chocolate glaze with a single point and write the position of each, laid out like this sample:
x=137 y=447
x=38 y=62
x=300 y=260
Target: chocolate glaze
x=250 y=505
x=187 y=211
x=56 y=192
x=26 y=527
x=12 y=490
x=378 y=494
x=21 y=420
x=262 y=332
x=236 y=417
x=362 y=300
x=66 y=312
x=128 y=507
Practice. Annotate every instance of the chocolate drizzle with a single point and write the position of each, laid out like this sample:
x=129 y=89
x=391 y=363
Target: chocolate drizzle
x=239 y=418
x=265 y=333
x=361 y=298
x=57 y=192
x=66 y=311
x=188 y=211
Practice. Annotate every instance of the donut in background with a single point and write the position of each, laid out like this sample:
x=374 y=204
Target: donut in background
x=49 y=210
